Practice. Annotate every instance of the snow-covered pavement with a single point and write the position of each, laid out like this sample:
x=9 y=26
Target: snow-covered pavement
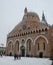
x=5 y=60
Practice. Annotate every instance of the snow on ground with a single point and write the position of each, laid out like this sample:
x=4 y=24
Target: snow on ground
x=6 y=60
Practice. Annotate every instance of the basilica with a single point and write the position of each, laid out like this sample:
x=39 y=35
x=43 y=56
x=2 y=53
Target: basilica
x=32 y=36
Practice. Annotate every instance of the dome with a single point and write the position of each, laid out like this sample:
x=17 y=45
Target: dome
x=31 y=16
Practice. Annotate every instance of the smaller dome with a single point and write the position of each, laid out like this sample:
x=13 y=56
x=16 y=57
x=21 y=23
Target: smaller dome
x=33 y=14
x=30 y=16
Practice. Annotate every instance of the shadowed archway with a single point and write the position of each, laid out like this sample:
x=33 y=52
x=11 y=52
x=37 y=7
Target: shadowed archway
x=40 y=54
x=22 y=51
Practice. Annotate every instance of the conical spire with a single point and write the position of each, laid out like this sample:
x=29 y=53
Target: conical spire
x=43 y=19
x=43 y=16
x=25 y=10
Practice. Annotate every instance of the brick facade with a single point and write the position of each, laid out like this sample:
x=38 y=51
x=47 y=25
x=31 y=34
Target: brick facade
x=30 y=37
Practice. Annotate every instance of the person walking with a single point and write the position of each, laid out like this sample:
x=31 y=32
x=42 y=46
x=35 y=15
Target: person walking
x=15 y=56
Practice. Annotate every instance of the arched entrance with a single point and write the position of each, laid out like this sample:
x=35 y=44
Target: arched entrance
x=10 y=54
x=22 y=51
x=41 y=46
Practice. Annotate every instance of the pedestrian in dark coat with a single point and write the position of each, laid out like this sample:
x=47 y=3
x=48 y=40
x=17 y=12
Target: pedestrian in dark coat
x=14 y=56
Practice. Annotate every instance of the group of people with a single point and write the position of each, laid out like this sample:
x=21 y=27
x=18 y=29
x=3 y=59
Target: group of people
x=16 y=56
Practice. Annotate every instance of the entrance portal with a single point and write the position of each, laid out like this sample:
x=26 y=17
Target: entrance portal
x=10 y=54
x=22 y=51
x=41 y=54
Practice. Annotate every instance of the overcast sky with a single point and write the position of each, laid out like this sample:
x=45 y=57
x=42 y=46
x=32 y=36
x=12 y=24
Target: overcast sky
x=12 y=11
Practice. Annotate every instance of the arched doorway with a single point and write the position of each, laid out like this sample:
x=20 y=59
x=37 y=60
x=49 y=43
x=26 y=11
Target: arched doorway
x=22 y=51
x=40 y=54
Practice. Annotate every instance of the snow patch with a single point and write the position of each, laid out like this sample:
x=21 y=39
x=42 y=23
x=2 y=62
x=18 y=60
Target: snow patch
x=6 y=60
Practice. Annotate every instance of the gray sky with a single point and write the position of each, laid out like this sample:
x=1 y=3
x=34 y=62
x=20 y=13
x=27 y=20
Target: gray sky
x=12 y=11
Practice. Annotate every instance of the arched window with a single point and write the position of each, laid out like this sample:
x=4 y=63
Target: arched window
x=36 y=31
x=39 y=31
x=33 y=31
x=17 y=45
x=42 y=30
x=23 y=41
x=45 y=29
x=44 y=46
x=38 y=46
x=10 y=46
x=29 y=45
